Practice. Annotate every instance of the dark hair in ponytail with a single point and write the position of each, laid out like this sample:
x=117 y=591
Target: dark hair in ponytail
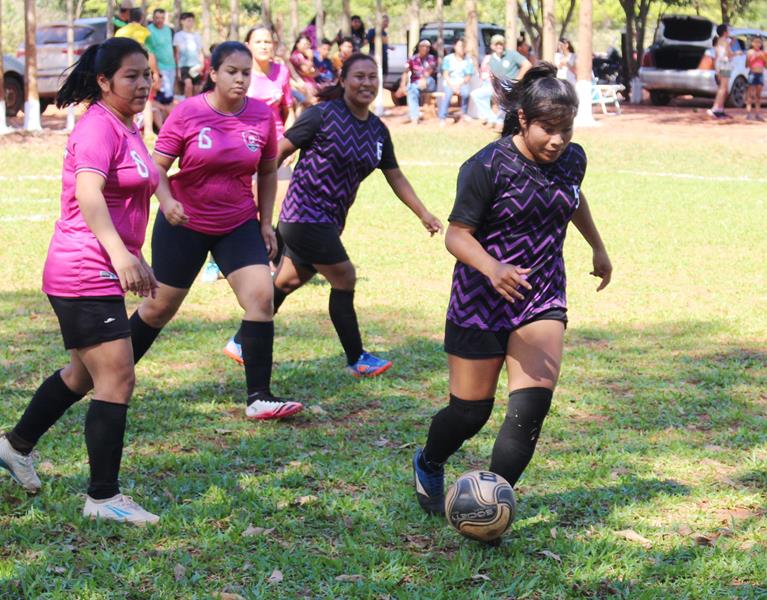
x=104 y=59
x=220 y=54
x=540 y=96
x=334 y=92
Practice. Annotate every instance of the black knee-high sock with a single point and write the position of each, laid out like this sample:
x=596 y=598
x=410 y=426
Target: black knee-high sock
x=279 y=298
x=142 y=336
x=344 y=317
x=519 y=433
x=51 y=400
x=453 y=425
x=104 y=433
x=257 y=343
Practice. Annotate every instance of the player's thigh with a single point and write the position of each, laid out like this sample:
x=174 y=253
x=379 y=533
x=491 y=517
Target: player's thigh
x=110 y=365
x=178 y=253
x=474 y=378
x=534 y=354
x=341 y=276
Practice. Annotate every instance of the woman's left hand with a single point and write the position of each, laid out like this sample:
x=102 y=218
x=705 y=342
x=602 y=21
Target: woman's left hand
x=603 y=268
x=270 y=239
x=433 y=224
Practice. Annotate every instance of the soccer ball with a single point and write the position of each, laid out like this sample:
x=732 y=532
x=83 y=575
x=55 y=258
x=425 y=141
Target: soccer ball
x=480 y=505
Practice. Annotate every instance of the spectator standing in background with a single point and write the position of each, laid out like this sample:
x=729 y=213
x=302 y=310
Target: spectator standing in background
x=160 y=44
x=357 y=35
x=420 y=72
x=564 y=61
x=325 y=72
x=188 y=44
x=384 y=43
x=134 y=29
x=756 y=59
x=457 y=70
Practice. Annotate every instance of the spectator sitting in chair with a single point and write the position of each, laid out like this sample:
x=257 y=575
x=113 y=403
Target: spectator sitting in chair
x=421 y=69
x=457 y=70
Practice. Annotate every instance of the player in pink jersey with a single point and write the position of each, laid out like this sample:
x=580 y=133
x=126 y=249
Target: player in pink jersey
x=93 y=259
x=221 y=138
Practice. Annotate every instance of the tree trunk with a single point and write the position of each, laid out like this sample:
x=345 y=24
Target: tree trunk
x=143 y=9
x=631 y=66
x=319 y=20
x=31 y=95
x=205 y=18
x=549 y=31
x=79 y=9
x=234 y=20
x=725 y=11
x=177 y=10
x=568 y=18
x=70 y=56
x=3 y=126
x=472 y=28
x=346 y=18
x=379 y=107
x=641 y=28
x=584 y=64
x=110 y=18
x=293 y=22
x=440 y=29
x=266 y=13
x=512 y=12
x=414 y=25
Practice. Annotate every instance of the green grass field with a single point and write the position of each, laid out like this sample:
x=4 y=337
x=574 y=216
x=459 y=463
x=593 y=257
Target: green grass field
x=650 y=479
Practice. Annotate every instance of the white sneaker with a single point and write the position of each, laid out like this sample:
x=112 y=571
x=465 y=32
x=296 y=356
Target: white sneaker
x=120 y=508
x=265 y=406
x=20 y=466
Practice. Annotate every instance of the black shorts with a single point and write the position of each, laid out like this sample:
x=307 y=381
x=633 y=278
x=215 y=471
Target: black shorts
x=178 y=253
x=90 y=320
x=308 y=244
x=473 y=343
x=185 y=75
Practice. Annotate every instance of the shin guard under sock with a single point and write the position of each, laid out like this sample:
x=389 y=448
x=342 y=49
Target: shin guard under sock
x=344 y=318
x=279 y=298
x=104 y=434
x=50 y=402
x=453 y=425
x=142 y=336
x=519 y=433
x=257 y=342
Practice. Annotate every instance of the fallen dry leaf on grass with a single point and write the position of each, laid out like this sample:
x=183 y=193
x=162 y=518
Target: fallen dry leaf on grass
x=633 y=536
x=256 y=531
x=381 y=442
x=317 y=410
x=304 y=500
x=550 y=554
x=480 y=577
x=227 y=596
x=553 y=532
x=276 y=576
x=684 y=530
x=703 y=539
x=179 y=572
x=350 y=578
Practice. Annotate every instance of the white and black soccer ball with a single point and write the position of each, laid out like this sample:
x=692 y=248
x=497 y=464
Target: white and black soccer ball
x=480 y=505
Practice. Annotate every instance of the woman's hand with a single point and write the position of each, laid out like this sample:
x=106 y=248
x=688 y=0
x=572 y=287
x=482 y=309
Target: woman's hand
x=602 y=268
x=508 y=279
x=270 y=239
x=134 y=274
x=174 y=212
x=153 y=283
x=432 y=224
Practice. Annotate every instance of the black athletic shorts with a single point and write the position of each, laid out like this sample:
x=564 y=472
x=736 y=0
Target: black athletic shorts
x=186 y=75
x=90 y=320
x=178 y=253
x=470 y=342
x=310 y=244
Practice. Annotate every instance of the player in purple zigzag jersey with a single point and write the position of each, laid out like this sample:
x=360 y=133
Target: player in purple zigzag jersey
x=341 y=143
x=514 y=201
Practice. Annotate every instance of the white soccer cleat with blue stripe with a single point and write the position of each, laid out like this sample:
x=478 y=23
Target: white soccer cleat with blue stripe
x=118 y=508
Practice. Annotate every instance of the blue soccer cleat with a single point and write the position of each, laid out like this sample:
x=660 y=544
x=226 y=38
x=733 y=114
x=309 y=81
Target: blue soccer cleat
x=429 y=485
x=369 y=365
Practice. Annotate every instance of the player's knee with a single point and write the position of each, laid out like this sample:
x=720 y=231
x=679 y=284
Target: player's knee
x=258 y=300
x=470 y=415
x=158 y=312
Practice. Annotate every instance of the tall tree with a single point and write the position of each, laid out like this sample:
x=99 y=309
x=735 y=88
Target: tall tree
x=583 y=64
x=512 y=12
x=549 y=45
x=205 y=18
x=177 y=10
x=319 y=19
x=472 y=29
x=440 y=29
x=234 y=20
x=31 y=95
x=110 y=18
x=346 y=18
x=266 y=13
x=531 y=14
x=293 y=21
x=414 y=24
x=636 y=12
x=3 y=126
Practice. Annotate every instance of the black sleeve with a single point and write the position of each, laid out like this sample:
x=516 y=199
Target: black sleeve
x=388 y=160
x=475 y=190
x=305 y=128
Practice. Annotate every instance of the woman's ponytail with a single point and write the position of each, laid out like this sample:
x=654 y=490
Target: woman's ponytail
x=540 y=96
x=81 y=84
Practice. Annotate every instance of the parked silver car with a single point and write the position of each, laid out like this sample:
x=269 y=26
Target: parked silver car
x=51 y=40
x=674 y=65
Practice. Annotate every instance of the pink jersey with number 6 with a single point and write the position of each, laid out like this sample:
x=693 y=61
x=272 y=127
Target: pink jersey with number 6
x=77 y=264
x=218 y=154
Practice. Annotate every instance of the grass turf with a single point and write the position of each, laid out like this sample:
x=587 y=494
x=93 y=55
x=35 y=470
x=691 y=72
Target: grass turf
x=650 y=475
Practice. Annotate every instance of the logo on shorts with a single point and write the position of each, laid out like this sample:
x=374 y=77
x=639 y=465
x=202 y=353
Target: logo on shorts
x=252 y=140
x=109 y=320
x=107 y=275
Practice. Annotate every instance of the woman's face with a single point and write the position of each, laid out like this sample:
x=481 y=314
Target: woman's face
x=546 y=140
x=356 y=24
x=345 y=49
x=262 y=45
x=232 y=78
x=756 y=43
x=303 y=45
x=459 y=48
x=361 y=83
x=128 y=90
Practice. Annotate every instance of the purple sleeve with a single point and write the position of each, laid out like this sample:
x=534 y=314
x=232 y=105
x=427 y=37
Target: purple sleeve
x=170 y=141
x=94 y=145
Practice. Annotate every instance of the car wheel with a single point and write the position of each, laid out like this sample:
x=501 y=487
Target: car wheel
x=45 y=103
x=14 y=95
x=660 y=98
x=737 y=98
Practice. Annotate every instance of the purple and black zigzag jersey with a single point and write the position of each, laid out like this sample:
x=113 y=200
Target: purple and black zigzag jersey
x=520 y=210
x=337 y=152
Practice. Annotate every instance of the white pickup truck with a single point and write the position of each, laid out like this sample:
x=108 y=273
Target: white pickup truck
x=674 y=65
